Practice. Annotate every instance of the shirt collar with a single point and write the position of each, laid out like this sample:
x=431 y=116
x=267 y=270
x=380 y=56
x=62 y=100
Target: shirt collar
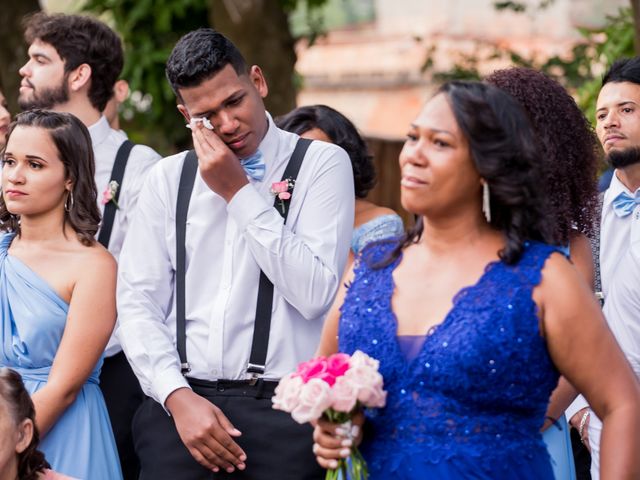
x=269 y=144
x=615 y=188
x=99 y=131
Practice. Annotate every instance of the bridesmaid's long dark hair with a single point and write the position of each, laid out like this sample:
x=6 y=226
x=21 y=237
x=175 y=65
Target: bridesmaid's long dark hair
x=503 y=149
x=73 y=142
x=31 y=461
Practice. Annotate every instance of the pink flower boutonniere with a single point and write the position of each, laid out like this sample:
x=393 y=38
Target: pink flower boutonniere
x=283 y=190
x=109 y=194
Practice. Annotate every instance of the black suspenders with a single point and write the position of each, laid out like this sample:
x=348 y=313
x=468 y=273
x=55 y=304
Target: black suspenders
x=260 y=343
x=117 y=174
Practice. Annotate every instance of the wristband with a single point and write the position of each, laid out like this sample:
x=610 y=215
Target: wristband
x=583 y=421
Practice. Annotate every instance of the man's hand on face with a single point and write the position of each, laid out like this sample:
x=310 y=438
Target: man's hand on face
x=219 y=166
x=205 y=431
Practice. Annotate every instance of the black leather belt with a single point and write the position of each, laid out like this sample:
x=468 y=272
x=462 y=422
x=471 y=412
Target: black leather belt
x=257 y=388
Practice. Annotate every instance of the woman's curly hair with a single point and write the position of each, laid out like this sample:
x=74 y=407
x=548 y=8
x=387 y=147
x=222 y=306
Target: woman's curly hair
x=568 y=147
x=14 y=396
x=503 y=149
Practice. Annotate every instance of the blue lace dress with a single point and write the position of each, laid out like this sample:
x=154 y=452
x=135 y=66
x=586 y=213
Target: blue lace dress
x=471 y=403
x=378 y=228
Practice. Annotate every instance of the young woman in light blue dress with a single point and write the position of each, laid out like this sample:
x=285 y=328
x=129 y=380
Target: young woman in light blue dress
x=57 y=289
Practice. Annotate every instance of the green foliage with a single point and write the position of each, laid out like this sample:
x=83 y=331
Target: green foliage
x=580 y=72
x=149 y=30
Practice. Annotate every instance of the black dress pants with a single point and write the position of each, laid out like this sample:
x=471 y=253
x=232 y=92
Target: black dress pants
x=123 y=396
x=277 y=447
x=581 y=456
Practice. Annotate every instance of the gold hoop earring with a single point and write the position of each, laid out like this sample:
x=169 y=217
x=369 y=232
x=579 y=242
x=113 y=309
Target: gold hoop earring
x=68 y=205
x=486 y=204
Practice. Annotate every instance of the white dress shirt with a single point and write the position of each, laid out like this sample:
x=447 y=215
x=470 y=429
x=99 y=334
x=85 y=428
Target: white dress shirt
x=106 y=142
x=226 y=246
x=614 y=244
x=622 y=302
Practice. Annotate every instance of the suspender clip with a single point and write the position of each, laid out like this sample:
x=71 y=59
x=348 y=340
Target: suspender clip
x=185 y=368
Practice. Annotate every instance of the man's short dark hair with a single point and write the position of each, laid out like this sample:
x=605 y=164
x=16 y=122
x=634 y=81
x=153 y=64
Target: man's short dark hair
x=82 y=39
x=623 y=70
x=198 y=56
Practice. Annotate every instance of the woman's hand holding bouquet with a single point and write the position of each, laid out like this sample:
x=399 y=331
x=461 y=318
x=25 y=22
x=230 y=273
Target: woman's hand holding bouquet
x=331 y=391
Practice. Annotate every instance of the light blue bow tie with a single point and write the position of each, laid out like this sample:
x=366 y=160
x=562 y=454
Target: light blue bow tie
x=254 y=166
x=624 y=203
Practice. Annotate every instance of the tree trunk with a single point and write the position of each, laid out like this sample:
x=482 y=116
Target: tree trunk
x=635 y=7
x=13 y=49
x=260 y=30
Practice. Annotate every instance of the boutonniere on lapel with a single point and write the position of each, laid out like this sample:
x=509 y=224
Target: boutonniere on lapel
x=109 y=194
x=282 y=190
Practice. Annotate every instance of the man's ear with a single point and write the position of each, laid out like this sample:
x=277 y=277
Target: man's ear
x=185 y=113
x=79 y=77
x=257 y=79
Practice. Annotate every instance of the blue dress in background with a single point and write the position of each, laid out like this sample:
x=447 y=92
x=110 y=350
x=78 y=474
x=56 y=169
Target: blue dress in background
x=378 y=228
x=471 y=403
x=81 y=443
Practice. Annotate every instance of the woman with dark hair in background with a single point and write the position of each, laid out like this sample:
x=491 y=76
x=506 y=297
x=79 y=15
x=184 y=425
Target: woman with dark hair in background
x=57 y=289
x=319 y=122
x=568 y=162
x=19 y=455
x=471 y=315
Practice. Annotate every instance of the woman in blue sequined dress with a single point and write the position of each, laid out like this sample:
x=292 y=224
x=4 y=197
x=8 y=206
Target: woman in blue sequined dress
x=471 y=316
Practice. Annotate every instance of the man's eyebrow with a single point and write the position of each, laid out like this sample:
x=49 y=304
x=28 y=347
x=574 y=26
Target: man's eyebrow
x=39 y=53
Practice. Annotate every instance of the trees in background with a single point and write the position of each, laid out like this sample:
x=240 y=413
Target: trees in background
x=13 y=50
x=150 y=29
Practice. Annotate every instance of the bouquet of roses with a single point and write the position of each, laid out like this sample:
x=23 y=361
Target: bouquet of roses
x=333 y=388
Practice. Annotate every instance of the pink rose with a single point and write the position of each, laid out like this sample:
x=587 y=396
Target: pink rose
x=368 y=382
x=279 y=187
x=361 y=358
x=314 y=399
x=338 y=364
x=312 y=369
x=287 y=393
x=344 y=395
x=284 y=196
x=106 y=195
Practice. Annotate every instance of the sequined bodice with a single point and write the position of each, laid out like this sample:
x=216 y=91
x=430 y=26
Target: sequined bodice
x=480 y=384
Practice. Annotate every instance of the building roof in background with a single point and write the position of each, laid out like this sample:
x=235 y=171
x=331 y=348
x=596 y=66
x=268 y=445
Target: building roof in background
x=375 y=73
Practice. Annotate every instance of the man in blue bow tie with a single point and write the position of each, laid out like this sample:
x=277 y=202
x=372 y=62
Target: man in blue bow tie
x=221 y=294
x=618 y=128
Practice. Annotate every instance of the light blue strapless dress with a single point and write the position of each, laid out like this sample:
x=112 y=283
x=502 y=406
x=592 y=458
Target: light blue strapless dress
x=81 y=443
